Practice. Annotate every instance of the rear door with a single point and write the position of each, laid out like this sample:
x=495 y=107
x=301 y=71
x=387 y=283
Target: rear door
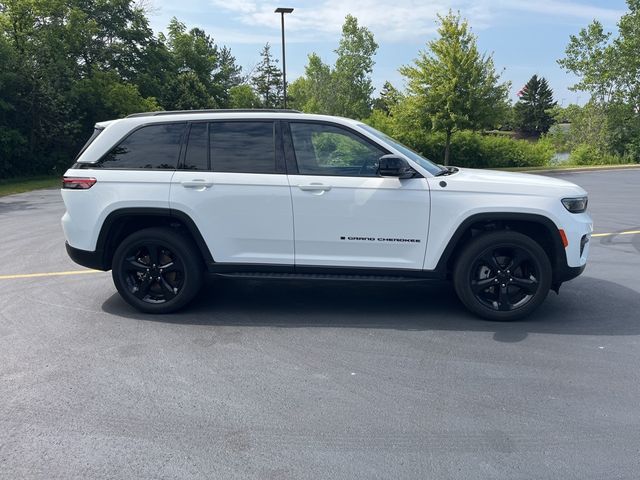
x=232 y=183
x=344 y=213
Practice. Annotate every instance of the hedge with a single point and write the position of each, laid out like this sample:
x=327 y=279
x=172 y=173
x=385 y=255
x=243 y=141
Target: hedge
x=474 y=150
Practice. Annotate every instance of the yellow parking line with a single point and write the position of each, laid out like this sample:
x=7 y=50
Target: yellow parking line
x=630 y=232
x=46 y=274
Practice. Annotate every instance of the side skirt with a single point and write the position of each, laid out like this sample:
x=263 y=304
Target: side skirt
x=322 y=273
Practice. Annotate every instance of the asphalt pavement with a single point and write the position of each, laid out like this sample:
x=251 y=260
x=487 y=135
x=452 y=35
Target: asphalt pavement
x=318 y=380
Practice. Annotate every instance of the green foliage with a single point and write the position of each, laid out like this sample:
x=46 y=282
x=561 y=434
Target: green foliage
x=345 y=89
x=479 y=151
x=533 y=115
x=611 y=129
x=313 y=92
x=67 y=65
x=452 y=85
x=390 y=97
x=267 y=80
x=104 y=95
x=187 y=92
x=243 y=96
x=608 y=68
x=352 y=73
x=474 y=150
x=585 y=154
x=203 y=73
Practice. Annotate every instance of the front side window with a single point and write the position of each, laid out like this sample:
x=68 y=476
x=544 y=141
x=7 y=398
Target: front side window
x=153 y=146
x=328 y=150
x=242 y=147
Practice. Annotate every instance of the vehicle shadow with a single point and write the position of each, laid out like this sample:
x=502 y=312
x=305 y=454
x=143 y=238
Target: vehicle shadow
x=586 y=306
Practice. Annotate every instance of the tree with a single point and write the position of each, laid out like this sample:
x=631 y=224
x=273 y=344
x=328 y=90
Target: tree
x=608 y=69
x=314 y=92
x=344 y=89
x=58 y=49
x=67 y=64
x=213 y=69
x=243 y=96
x=533 y=109
x=352 y=74
x=389 y=98
x=454 y=86
x=267 y=80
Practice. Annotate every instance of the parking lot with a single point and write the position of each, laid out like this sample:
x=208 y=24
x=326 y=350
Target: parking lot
x=292 y=380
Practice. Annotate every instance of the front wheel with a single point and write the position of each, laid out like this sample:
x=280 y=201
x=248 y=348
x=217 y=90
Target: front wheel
x=157 y=270
x=502 y=276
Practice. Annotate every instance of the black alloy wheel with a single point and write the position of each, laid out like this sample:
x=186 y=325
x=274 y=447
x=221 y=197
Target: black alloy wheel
x=157 y=270
x=502 y=275
x=153 y=273
x=504 y=278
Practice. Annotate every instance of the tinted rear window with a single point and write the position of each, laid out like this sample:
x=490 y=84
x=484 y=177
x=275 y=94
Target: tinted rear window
x=153 y=146
x=243 y=147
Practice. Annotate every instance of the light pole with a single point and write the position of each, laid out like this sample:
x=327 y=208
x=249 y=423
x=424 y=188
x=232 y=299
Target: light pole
x=282 y=11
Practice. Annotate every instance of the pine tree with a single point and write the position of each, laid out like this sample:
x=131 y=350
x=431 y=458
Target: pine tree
x=532 y=111
x=267 y=80
x=389 y=98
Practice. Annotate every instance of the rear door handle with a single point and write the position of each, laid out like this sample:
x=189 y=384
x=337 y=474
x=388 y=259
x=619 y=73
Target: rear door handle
x=315 y=187
x=196 y=183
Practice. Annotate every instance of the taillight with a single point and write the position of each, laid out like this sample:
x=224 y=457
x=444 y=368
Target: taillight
x=78 y=183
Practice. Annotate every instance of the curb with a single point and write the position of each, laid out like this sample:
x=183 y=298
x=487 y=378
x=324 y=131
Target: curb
x=574 y=169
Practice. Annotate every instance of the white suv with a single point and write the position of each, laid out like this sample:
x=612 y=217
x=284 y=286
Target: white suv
x=159 y=198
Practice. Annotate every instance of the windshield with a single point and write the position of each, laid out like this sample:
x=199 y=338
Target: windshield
x=428 y=165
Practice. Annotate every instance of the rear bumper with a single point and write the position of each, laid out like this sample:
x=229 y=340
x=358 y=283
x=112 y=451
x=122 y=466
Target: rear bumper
x=86 y=258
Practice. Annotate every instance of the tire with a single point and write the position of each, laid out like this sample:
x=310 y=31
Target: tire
x=157 y=270
x=502 y=276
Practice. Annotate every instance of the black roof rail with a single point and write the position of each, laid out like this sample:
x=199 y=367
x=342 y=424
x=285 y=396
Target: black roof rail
x=214 y=110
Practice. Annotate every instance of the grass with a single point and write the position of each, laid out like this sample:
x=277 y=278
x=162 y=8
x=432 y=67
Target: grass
x=9 y=186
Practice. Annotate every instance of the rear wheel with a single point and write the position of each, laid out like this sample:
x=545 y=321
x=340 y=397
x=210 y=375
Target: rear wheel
x=157 y=270
x=502 y=276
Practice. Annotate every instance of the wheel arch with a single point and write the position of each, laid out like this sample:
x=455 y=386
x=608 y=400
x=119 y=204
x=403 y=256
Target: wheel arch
x=124 y=221
x=542 y=229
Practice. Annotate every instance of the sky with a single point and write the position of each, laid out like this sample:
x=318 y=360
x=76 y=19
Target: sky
x=525 y=37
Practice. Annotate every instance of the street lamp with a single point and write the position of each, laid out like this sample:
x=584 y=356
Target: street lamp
x=282 y=11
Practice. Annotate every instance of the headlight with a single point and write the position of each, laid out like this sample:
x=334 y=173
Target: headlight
x=575 y=205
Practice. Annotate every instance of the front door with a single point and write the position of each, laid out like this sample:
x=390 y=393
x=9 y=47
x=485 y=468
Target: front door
x=344 y=213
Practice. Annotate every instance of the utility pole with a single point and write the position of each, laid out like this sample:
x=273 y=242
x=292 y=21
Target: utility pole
x=282 y=11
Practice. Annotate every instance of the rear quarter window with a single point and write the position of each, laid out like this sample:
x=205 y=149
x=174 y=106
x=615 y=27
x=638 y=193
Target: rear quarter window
x=242 y=147
x=149 y=147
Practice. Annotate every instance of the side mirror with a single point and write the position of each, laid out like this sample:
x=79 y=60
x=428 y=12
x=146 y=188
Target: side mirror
x=394 y=166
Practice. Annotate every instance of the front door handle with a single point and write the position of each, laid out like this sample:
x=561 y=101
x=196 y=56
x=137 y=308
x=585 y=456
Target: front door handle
x=196 y=183
x=315 y=187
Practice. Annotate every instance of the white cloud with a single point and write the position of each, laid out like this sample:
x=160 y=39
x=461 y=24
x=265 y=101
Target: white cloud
x=401 y=20
x=563 y=9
